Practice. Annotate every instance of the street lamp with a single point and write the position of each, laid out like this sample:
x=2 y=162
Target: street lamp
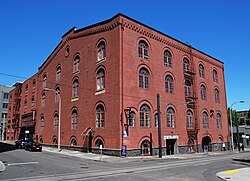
x=127 y=113
x=231 y=122
x=59 y=117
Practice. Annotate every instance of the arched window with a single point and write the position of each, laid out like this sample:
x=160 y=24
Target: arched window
x=44 y=80
x=186 y=65
x=43 y=99
x=74 y=117
x=167 y=58
x=75 y=88
x=144 y=78
x=203 y=92
x=132 y=119
x=216 y=95
x=76 y=67
x=218 y=121
x=98 y=143
x=42 y=122
x=169 y=84
x=57 y=94
x=144 y=116
x=188 y=90
x=170 y=118
x=189 y=119
x=58 y=73
x=143 y=50
x=56 y=121
x=100 y=79
x=205 y=120
x=145 y=147
x=73 y=142
x=215 y=76
x=100 y=116
x=156 y=120
x=54 y=141
x=201 y=71
x=101 y=51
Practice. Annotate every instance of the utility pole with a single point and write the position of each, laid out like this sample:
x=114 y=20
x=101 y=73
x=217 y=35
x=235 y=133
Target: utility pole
x=159 y=125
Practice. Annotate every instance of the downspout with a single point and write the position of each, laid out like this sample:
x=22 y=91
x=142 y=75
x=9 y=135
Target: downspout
x=122 y=69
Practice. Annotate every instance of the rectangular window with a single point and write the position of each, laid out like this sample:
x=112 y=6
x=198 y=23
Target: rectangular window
x=5 y=96
x=5 y=105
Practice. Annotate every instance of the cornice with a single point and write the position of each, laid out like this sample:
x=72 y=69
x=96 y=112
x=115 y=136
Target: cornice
x=167 y=41
x=95 y=30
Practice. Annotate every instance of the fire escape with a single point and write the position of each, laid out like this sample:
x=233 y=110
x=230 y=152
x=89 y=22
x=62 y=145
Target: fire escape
x=16 y=111
x=191 y=94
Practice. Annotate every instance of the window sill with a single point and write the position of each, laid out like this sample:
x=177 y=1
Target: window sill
x=100 y=60
x=101 y=91
x=74 y=99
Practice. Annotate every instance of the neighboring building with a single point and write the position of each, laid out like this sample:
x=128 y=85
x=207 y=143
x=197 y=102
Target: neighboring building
x=118 y=66
x=4 y=101
x=244 y=128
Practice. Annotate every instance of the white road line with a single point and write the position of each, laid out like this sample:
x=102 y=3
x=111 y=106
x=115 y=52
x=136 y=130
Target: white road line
x=25 y=163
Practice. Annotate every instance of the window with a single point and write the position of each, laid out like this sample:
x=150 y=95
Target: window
x=57 y=94
x=144 y=116
x=98 y=143
x=201 y=71
x=100 y=79
x=5 y=105
x=189 y=119
x=58 y=73
x=188 y=91
x=215 y=76
x=143 y=50
x=156 y=120
x=76 y=64
x=132 y=119
x=34 y=84
x=5 y=96
x=100 y=116
x=44 y=80
x=216 y=95
x=43 y=99
x=169 y=84
x=203 y=92
x=75 y=88
x=144 y=78
x=32 y=101
x=101 y=51
x=73 y=142
x=26 y=88
x=205 y=120
x=167 y=58
x=218 y=121
x=56 y=121
x=170 y=118
x=74 y=116
x=186 y=65
x=42 y=122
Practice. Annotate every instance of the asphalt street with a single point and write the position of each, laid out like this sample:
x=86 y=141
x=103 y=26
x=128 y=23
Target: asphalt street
x=49 y=165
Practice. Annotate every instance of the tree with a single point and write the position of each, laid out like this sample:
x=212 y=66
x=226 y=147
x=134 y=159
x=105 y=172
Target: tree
x=233 y=116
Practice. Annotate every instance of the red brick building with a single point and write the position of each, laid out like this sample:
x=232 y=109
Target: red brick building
x=120 y=64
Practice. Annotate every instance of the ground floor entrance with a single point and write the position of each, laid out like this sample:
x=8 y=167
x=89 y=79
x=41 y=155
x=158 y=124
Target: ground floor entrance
x=171 y=144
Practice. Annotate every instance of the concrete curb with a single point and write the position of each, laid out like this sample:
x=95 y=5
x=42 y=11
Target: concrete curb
x=2 y=167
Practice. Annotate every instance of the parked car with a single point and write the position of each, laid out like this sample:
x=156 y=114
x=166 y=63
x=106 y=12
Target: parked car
x=20 y=143
x=33 y=146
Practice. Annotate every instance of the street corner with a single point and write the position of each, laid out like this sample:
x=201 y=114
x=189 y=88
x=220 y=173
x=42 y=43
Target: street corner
x=2 y=166
x=236 y=174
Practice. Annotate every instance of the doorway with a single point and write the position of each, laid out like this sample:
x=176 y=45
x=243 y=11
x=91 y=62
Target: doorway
x=206 y=143
x=170 y=146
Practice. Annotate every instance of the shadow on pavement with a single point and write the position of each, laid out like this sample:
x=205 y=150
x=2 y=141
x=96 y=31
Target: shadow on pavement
x=6 y=147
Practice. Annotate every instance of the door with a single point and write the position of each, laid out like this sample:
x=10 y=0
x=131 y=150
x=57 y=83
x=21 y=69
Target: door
x=170 y=146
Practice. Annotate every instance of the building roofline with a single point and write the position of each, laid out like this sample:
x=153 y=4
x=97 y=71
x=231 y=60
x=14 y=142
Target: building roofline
x=75 y=30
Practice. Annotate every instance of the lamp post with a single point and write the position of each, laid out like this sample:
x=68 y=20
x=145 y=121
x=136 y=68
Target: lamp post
x=231 y=122
x=59 y=118
x=127 y=113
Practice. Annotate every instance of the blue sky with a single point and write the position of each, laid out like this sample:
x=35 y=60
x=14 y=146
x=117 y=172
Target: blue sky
x=30 y=30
